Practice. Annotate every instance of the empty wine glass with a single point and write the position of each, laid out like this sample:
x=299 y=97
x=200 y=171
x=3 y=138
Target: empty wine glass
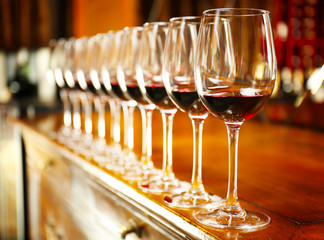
x=151 y=85
x=235 y=72
x=179 y=81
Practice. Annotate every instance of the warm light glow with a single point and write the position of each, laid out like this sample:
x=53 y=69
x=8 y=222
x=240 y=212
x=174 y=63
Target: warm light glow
x=50 y=77
x=95 y=79
x=259 y=71
x=315 y=85
x=315 y=80
x=69 y=79
x=58 y=77
x=81 y=79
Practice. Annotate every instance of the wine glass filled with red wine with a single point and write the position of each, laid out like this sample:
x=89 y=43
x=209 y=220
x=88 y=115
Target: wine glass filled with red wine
x=149 y=68
x=110 y=49
x=179 y=82
x=128 y=103
x=235 y=72
x=128 y=81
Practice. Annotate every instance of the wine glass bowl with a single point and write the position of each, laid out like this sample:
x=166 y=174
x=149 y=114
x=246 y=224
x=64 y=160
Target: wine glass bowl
x=150 y=68
x=178 y=65
x=235 y=70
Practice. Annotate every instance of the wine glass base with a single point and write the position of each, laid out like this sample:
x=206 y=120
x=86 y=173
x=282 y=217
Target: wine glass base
x=111 y=162
x=140 y=174
x=82 y=148
x=117 y=169
x=187 y=200
x=161 y=186
x=245 y=220
x=62 y=135
x=105 y=156
x=54 y=135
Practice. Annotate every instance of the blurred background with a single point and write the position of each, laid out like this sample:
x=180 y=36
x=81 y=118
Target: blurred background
x=27 y=26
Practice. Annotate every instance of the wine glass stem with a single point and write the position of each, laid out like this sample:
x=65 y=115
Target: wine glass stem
x=167 y=118
x=76 y=111
x=87 y=113
x=100 y=105
x=232 y=204
x=115 y=108
x=130 y=128
x=196 y=179
x=146 y=113
x=66 y=108
x=149 y=113
x=128 y=111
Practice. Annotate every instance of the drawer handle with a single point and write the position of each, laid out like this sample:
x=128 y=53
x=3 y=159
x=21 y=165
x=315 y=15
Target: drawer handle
x=45 y=164
x=132 y=229
x=52 y=232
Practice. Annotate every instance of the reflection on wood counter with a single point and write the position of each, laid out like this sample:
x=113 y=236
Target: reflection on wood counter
x=280 y=173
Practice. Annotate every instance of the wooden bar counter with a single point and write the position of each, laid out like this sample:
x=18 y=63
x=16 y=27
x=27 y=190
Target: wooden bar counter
x=280 y=173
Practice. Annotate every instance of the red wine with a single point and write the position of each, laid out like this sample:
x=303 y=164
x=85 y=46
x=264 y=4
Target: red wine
x=71 y=82
x=90 y=87
x=135 y=93
x=76 y=85
x=235 y=106
x=111 y=88
x=117 y=90
x=158 y=95
x=188 y=101
x=104 y=89
x=61 y=84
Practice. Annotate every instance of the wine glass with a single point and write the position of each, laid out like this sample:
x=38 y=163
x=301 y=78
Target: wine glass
x=128 y=104
x=128 y=81
x=235 y=71
x=73 y=92
x=55 y=73
x=179 y=82
x=149 y=68
x=110 y=50
x=107 y=72
x=81 y=59
x=94 y=59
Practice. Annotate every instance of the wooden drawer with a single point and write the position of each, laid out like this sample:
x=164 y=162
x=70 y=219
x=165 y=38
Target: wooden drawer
x=56 y=219
x=71 y=198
